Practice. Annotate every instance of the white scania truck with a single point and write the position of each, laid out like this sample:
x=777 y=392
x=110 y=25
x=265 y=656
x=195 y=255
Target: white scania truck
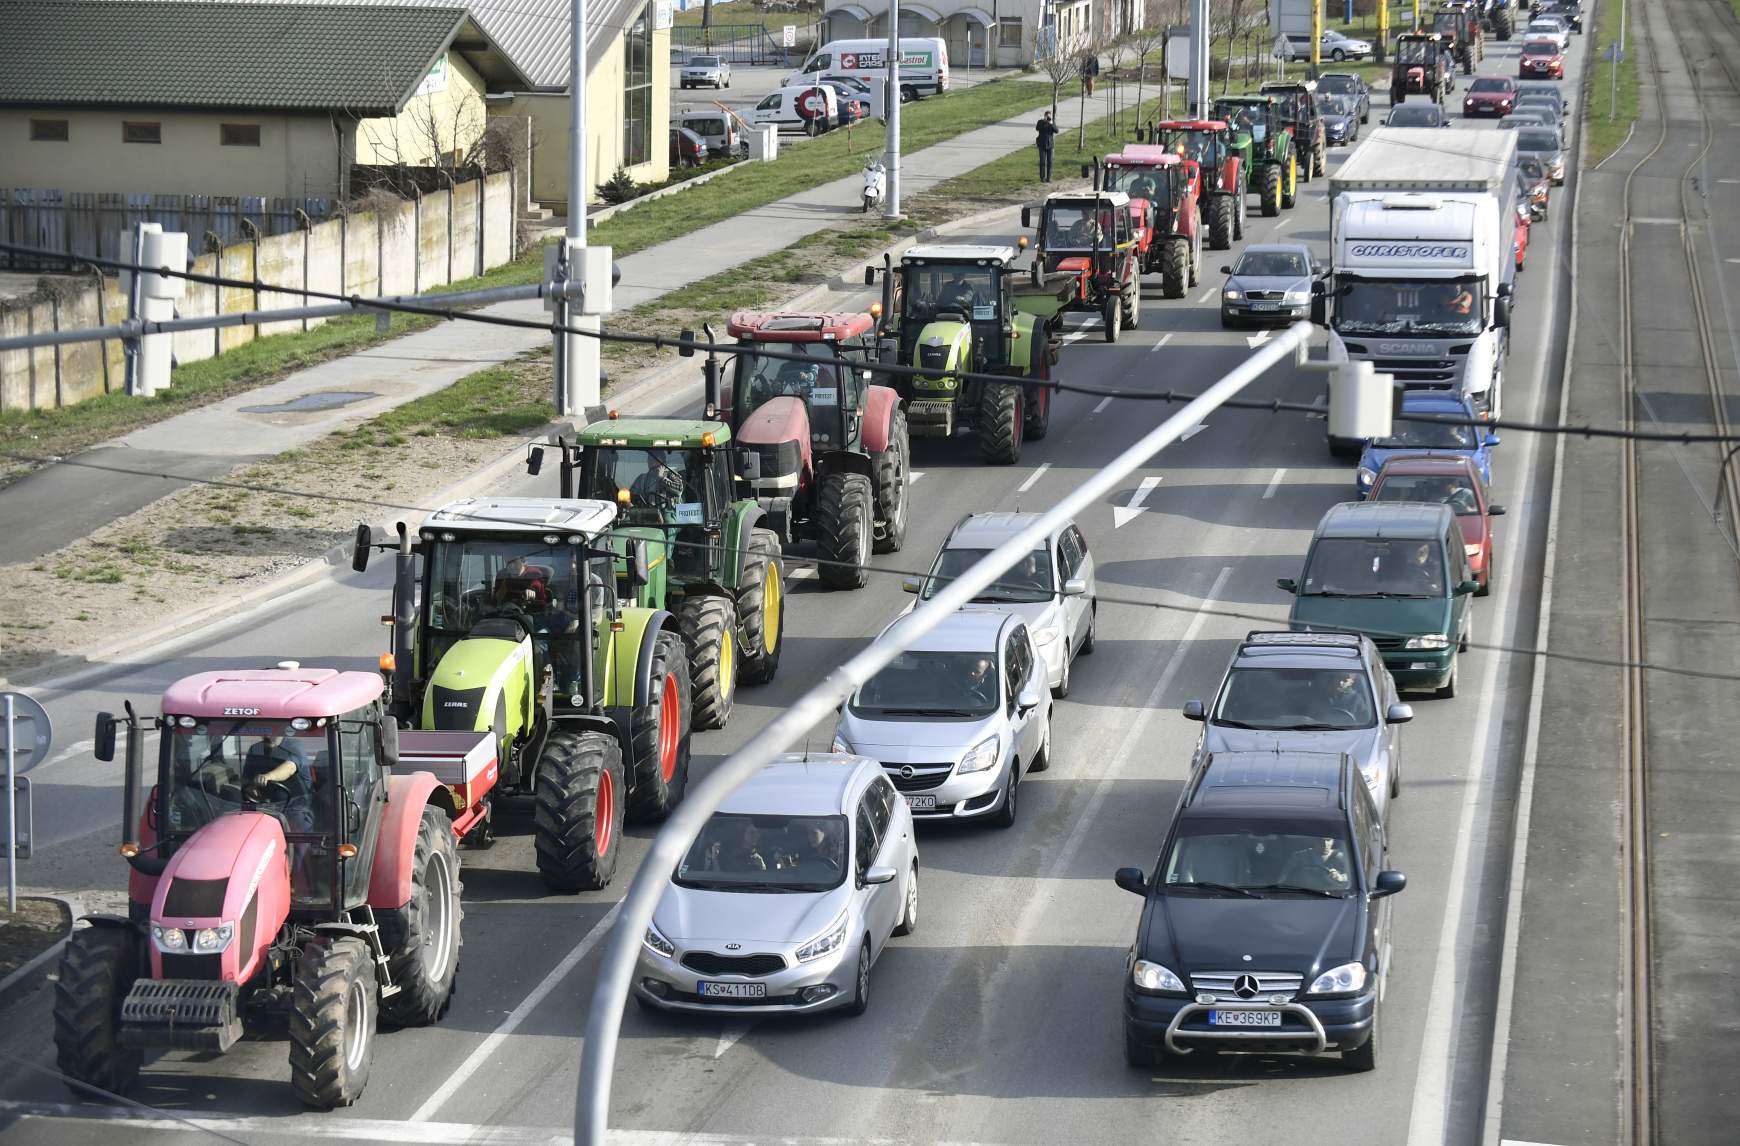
x=1421 y=222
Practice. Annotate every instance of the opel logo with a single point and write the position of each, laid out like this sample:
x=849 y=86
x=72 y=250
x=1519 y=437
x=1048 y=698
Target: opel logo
x=733 y=946
x=1247 y=987
x=906 y=772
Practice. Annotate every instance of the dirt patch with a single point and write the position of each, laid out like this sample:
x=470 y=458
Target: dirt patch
x=38 y=925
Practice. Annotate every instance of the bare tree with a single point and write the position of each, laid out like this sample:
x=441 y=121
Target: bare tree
x=1149 y=39
x=1115 y=52
x=1062 y=67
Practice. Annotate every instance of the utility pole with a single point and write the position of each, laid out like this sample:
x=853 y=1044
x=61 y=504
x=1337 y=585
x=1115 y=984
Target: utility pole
x=1197 y=94
x=576 y=294
x=1316 y=36
x=891 y=107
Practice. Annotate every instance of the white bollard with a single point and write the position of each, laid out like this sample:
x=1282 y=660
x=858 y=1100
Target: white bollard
x=157 y=296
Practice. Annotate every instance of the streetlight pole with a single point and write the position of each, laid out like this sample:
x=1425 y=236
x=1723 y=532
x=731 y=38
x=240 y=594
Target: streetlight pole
x=891 y=110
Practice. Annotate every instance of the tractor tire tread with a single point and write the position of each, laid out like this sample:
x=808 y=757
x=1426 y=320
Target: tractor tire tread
x=421 y=1000
x=650 y=796
x=892 y=485
x=1000 y=423
x=564 y=818
x=1221 y=223
x=319 y=1073
x=1175 y=267
x=97 y=967
x=758 y=663
x=844 y=508
x=706 y=624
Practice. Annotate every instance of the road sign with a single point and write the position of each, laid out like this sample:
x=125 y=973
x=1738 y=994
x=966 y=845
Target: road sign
x=1279 y=48
x=1614 y=54
x=788 y=37
x=34 y=731
x=21 y=812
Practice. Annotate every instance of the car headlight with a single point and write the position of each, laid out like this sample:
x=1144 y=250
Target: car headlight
x=826 y=943
x=171 y=939
x=1047 y=636
x=1471 y=550
x=1153 y=977
x=210 y=940
x=985 y=754
x=1364 y=476
x=1429 y=641
x=656 y=942
x=1339 y=980
x=840 y=744
x=1230 y=295
x=1297 y=296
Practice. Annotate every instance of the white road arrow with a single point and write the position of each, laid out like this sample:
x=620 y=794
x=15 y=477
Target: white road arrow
x=1193 y=431
x=1255 y=340
x=914 y=474
x=729 y=1035
x=1122 y=515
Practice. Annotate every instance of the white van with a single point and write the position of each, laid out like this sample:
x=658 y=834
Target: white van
x=800 y=110
x=924 y=64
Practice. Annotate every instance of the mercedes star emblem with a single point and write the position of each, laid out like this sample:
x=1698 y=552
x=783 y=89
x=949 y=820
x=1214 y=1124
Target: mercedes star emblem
x=1247 y=987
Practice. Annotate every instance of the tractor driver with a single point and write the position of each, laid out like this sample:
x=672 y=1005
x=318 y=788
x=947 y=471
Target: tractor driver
x=660 y=483
x=274 y=759
x=957 y=294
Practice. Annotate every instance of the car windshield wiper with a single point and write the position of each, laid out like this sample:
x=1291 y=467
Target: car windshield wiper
x=1317 y=891
x=923 y=712
x=1322 y=727
x=1339 y=593
x=1202 y=885
x=1224 y=722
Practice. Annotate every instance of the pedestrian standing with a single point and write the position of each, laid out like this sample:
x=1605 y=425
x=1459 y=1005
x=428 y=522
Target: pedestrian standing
x=1047 y=132
x=1090 y=69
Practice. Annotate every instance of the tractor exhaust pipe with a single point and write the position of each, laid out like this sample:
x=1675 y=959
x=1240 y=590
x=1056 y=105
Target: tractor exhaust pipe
x=566 y=481
x=887 y=293
x=712 y=378
x=404 y=622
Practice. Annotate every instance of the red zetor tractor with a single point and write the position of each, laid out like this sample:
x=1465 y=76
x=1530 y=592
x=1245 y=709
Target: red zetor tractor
x=1087 y=241
x=288 y=859
x=1209 y=144
x=826 y=453
x=1170 y=184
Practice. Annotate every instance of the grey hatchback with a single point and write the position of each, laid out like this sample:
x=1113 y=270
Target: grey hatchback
x=1271 y=282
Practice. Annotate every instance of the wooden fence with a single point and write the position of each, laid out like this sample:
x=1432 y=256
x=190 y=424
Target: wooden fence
x=86 y=223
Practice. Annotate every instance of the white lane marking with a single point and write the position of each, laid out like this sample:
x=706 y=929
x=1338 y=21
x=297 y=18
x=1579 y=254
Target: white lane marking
x=1731 y=260
x=1033 y=477
x=800 y=573
x=1320 y=400
x=1167 y=337
x=1520 y=1142
x=1123 y=515
x=1728 y=180
x=1207 y=294
x=915 y=474
x=77 y=748
x=1255 y=340
x=515 y=1017
x=729 y=1036
x=1073 y=337
x=1274 y=483
x=1284 y=220
x=1193 y=431
x=1104 y=402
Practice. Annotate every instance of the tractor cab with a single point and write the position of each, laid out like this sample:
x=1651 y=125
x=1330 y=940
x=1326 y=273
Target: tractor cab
x=1207 y=142
x=1079 y=227
x=942 y=289
x=1422 y=65
x=822 y=362
x=1256 y=117
x=1156 y=174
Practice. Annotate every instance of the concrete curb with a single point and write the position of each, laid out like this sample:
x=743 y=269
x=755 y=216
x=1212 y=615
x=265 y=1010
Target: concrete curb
x=27 y=978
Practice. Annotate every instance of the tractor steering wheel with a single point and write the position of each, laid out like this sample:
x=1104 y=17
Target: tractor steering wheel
x=264 y=791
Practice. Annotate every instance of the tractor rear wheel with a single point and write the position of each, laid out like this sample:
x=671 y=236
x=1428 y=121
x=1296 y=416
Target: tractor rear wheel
x=422 y=937
x=761 y=608
x=1175 y=267
x=1037 y=422
x=1290 y=189
x=1319 y=159
x=332 y=1021
x=1132 y=317
x=846 y=525
x=891 y=485
x=709 y=627
x=1240 y=209
x=578 y=810
x=1501 y=25
x=1001 y=420
x=658 y=734
x=1222 y=222
x=1271 y=191
x=97 y=969
x=1196 y=252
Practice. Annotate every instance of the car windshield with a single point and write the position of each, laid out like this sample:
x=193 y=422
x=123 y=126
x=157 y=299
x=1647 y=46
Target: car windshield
x=663 y=485
x=1076 y=226
x=1307 y=699
x=1454 y=490
x=1544 y=28
x=1338 y=85
x=1425 y=432
x=1213 y=856
x=1147 y=183
x=1540 y=48
x=706 y=128
x=750 y=853
x=1374 y=567
x=1271 y=264
x=1490 y=84
x=703 y=61
x=1028 y=582
x=1330 y=104
x=1532 y=168
x=1438 y=307
x=1537 y=139
x=931 y=684
x=968 y=290
x=1422 y=116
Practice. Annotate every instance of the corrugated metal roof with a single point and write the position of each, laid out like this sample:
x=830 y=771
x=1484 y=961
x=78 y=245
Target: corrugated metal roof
x=366 y=60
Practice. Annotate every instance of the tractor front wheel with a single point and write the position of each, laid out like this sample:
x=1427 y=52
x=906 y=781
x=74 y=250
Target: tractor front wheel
x=658 y=734
x=892 y=485
x=1290 y=191
x=1132 y=317
x=1240 y=209
x=846 y=525
x=1175 y=267
x=578 y=801
x=1271 y=191
x=1112 y=315
x=422 y=937
x=97 y=969
x=1222 y=222
x=332 y=1021
x=1000 y=419
x=709 y=626
x=761 y=608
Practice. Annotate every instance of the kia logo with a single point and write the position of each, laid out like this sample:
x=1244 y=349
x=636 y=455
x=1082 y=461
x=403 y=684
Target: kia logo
x=733 y=946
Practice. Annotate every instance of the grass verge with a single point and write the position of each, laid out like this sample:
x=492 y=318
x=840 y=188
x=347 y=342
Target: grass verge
x=1612 y=98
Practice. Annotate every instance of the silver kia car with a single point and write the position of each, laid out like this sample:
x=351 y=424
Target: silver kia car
x=957 y=719
x=787 y=896
x=1052 y=588
x=1309 y=692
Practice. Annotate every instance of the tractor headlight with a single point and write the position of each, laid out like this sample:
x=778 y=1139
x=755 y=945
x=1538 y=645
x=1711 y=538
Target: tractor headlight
x=170 y=939
x=209 y=940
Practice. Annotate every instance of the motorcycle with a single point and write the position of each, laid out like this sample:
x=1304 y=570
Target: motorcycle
x=875 y=184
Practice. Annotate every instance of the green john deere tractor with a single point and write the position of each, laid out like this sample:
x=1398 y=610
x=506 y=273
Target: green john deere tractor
x=709 y=561
x=952 y=309
x=512 y=628
x=1260 y=134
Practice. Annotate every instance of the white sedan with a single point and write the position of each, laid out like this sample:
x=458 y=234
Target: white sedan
x=1548 y=28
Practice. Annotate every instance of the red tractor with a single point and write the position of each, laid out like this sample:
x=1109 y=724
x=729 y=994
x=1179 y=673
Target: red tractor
x=1088 y=243
x=1209 y=144
x=1170 y=185
x=826 y=453
x=288 y=859
x=1422 y=67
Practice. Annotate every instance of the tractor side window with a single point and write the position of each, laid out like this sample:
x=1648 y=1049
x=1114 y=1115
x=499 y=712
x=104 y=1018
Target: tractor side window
x=357 y=746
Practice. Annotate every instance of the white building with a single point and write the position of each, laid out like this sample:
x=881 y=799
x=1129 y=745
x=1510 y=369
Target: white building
x=998 y=33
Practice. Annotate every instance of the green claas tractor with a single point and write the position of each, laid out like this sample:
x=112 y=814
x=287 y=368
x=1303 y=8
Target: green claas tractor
x=1259 y=133
x=708 y=561
x=953 y=309
x=512 y=627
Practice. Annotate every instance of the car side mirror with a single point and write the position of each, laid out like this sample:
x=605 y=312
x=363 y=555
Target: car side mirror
x=1501 y=312
x=104 y=747
x=1131 y=879
x=1075 y=587
x=1227 y=270
x=1494 y=440
x=749 y=464
x=1388 y=883
x=359 y=553
x=1286 y=584
x=1465 y=587
x=1193 y=710
x=878 y=875
x=1029 y=699
x=909 y=584
x=1495 y=511
x=1026 y=218
x=638 y=572
x=389 y=743
x=1319 y=305
x=1399 y=714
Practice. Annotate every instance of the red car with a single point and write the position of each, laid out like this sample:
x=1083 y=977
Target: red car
x=1490 y=95
x=1541 y=59
x=1453 y=481
x=1519 y=246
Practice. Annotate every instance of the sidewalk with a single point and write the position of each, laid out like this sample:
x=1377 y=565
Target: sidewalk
x=60 y=504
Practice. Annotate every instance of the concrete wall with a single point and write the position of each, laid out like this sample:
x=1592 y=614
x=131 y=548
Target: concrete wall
x=432 y=126
x=400 y=249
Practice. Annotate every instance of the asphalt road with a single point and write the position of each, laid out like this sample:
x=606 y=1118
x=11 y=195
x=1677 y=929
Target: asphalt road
x=998 y=1020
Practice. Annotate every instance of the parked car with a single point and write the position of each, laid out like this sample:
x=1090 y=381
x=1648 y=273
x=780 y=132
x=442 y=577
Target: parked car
x=1053 y=589
x=687 y=148
x=705 y=72
x=1548 y=28
x=1271 y=282
x=1333 y=46
x=1541 y=58
x=809 y=110
x=1546 y=144
x=1489 y=95
x=851 y=104
x=956 y=720
x=1340 y=120
x=1308 y=692
x=1416 y=115
x=720 y=131
x=1265 y=924
x=1413 y=436
x=1398 y=574
x=1348 y=84
x=1454 y=482
x=788 y=896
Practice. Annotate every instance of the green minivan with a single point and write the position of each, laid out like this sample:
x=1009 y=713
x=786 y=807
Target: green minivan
x=1397 y=572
